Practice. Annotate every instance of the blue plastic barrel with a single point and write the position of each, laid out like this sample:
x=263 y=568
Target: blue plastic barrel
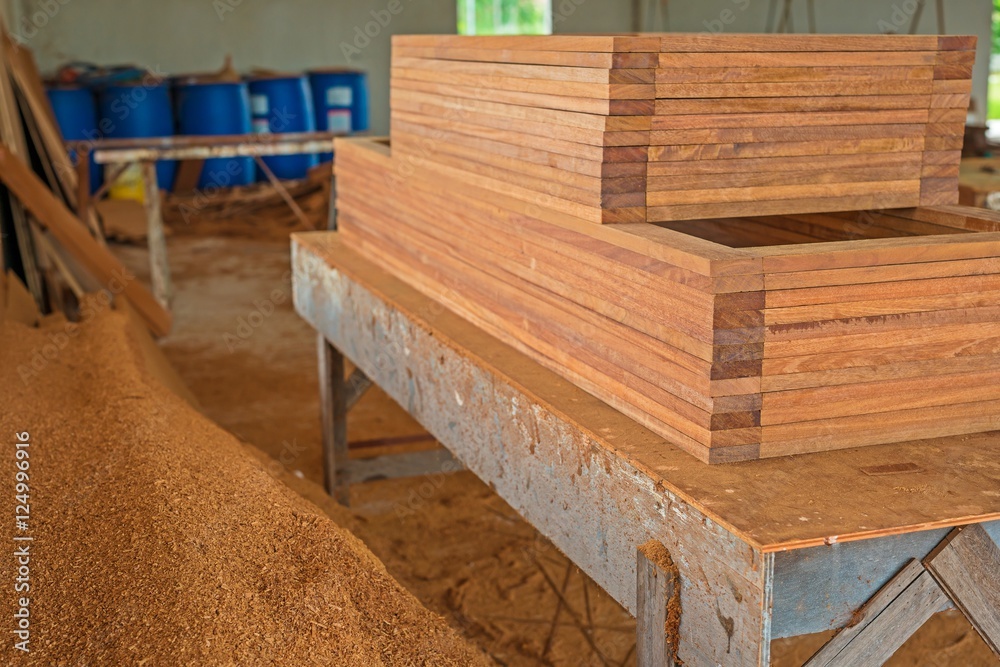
x=76 y=114
x=136 y=111
x=340 y=97
x=281 y=105
x=216 y=108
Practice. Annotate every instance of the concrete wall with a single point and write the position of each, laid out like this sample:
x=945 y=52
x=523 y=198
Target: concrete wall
x=190 y=35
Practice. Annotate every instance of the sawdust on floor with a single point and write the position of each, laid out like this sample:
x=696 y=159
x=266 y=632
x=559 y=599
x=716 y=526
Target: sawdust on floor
x=448 y=538
x=158 y=540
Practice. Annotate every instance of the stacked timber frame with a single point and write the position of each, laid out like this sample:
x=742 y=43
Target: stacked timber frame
x=674 y=127
x=742 y=305
x=734 y=339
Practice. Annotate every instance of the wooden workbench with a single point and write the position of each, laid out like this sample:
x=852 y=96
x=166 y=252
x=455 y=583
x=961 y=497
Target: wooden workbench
x=146 y=151
x=765 y=549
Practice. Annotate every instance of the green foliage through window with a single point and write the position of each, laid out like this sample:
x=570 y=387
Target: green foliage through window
x=996 y=26
x=993 y=92
x=506 y=17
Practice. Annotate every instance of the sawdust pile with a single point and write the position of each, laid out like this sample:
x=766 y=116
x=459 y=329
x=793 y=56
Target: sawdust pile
x=158 y=540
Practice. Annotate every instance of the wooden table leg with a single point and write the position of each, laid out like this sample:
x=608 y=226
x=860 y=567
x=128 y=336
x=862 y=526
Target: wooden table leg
x=331 y=214
x=157 y=242
x=657 y=591
x=963 y=568
x=333 y=392
x=967 y=565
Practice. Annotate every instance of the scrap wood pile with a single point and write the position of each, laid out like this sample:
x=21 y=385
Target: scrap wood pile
x=731 y=337
x=59 y=255
x=258 y=204
x=133 y=518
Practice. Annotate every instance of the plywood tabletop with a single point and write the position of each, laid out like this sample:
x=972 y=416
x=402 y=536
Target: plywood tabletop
x=774 y=504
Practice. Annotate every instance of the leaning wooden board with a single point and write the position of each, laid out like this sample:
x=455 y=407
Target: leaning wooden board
x=607 y=117
x=734 y=338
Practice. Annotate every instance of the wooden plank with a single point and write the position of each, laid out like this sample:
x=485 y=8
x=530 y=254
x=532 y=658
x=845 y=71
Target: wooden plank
x=465 y=107
x=784 y=134
x=859 y=372
x=785 y=120
x=966 y=564
x=657 y=606
x=587 y=212
x=780 y=58
x=794 y=72
x=877 y=253
x=591 y=105
x=825 y=103
x=25 y=74
x=778 y=207
x=416 y=112
x=537 y=57
x=824 y=587
x=829 y=402
x=846 y=190
x=973 y=298
x=404 y=106
x=430 y=126
x=728 y=43
x=70 y=232
x=584 y=43
x=902 y=160
x=12 y=136
x=599 y=91
x=950 y=342
x=878 y=429
x=673 y=91
x=414 y=146
x=883 y=635
x=785 y=149
x=858 y=642
x=492 y=70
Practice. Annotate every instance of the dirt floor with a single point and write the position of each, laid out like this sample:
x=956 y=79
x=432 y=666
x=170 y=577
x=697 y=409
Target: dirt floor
x=447 y=538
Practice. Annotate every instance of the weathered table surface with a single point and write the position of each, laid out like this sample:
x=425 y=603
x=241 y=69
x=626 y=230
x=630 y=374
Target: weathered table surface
x=766 y=549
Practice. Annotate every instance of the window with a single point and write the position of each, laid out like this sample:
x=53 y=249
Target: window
x=504 y=17
x=993 y=101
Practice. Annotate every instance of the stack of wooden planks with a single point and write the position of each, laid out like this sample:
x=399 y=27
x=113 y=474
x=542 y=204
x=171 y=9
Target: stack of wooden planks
x=734 y=338
x=620 y=129
x=558 y=121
